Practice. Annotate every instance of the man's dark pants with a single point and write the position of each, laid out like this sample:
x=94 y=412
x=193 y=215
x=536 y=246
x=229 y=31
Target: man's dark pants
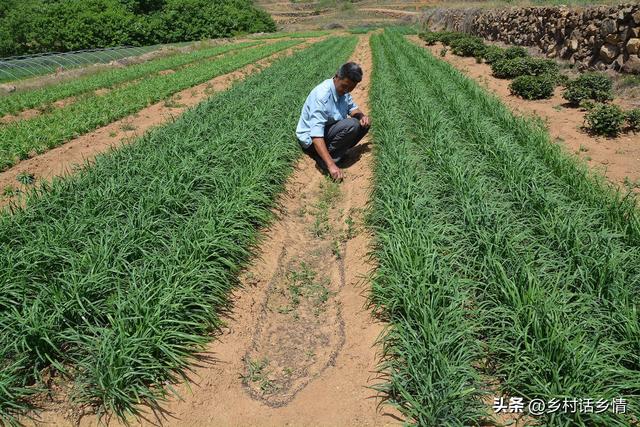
x=339 y=136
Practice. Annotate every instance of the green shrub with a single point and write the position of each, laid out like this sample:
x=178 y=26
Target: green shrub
x=633 y=119
x=528 y=66
x=533 y=87
x=562 y=79
x=588 y=104
x=430 y=37
x=33 y=26
x=605 y=119
x=448 y=37
x=515 y=52
x=468 y=46
x=492 y=54
x=593 y=85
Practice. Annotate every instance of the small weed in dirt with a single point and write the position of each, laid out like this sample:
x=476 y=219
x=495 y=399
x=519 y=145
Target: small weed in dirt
x=285 y=309
x=321 y=226
x=351 y=231
x=557 y=107
x=10 y=191
x=335 y=249
x=301 y=211
x=303 y=284
x=128 y=126
x=26 y=178
x=583 y=149
x=330 y=191
x=173 y=103
x=443 y=52
x=258 y=373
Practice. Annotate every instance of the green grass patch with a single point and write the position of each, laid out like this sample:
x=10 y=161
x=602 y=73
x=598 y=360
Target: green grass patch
x=18 y=101
x=19 y=139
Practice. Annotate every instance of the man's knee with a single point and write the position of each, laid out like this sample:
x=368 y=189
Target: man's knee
x=353 y=126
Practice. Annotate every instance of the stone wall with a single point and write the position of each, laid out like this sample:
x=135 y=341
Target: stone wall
x=598 y=37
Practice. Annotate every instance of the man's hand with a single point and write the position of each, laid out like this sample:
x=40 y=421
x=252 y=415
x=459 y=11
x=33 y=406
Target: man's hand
x=335 y=172
x=364 y=121
x=321 y=148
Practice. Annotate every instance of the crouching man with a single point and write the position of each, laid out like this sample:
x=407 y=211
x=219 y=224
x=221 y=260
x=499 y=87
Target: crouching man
x=331 y=123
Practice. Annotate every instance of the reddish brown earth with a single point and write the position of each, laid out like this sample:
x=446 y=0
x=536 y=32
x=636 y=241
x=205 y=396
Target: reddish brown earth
x=63 y=159
x=616 y=158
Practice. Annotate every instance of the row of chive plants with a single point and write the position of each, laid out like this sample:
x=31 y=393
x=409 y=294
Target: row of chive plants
x=506 y=268
x=41 y=97
x=41 y=133
x=116 y=275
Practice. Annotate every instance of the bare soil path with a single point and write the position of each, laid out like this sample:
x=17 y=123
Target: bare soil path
x=65 y=158
x=616 y=158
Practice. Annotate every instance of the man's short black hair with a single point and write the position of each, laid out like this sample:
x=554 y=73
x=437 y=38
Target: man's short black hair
x=351 y=71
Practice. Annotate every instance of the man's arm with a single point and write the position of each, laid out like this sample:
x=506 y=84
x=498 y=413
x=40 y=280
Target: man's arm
x=364 y=119
x=321 y=148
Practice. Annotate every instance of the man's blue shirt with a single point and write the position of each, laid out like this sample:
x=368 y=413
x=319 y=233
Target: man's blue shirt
x=322 y=104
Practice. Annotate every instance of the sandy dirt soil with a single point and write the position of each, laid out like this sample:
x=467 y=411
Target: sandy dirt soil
x=65 y=158
x=299 y=347
x=616 y=158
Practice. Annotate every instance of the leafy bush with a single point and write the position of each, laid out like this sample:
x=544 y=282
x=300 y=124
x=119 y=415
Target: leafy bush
x=633 y=119
x=533 y=87
x=593 y=85
x=528 y=66
x=588 y=104
x=515 y=52
x=492 y=54
x=448 y=37
x=468 y=46
x=605 y=119
x=33 y=26
x=430 y=37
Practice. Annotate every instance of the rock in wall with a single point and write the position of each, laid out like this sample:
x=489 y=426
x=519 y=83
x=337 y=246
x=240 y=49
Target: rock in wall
x=598 y=37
